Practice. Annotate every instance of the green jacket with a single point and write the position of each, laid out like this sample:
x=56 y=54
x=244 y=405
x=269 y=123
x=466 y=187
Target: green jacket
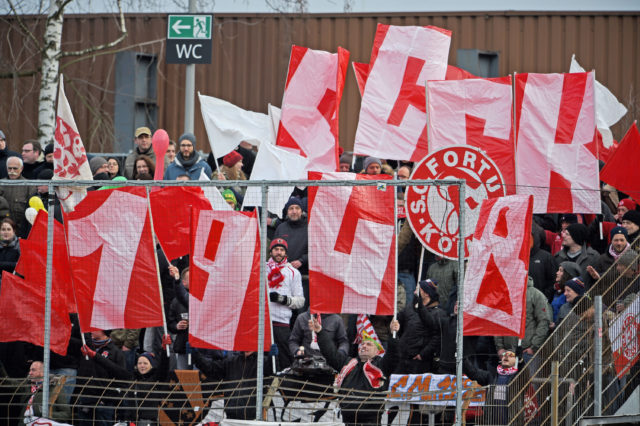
x=59 y=411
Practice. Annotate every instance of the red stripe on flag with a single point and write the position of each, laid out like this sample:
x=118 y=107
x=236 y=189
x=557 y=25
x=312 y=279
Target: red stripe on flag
x=330 y=286
x=297 y=53
x=560 y=199
x=573 y=88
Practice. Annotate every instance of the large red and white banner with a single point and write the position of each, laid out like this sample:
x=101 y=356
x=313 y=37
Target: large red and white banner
x=225 y=281
x=310 y=106
x=111 y=253
x=69 y=157
x=555 y=122
x=624 y=338
x=351 y=247
x=476 y=112
x=495 y=284
x=392 y=121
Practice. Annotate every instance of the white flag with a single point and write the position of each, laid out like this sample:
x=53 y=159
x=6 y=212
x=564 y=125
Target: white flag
x=274 y=114
x=227 y=125
x=608 y=110
x=213 y=194
x=273 y=163
x=69 y=157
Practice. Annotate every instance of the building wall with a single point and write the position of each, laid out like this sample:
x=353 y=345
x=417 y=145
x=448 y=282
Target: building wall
x=251 y=54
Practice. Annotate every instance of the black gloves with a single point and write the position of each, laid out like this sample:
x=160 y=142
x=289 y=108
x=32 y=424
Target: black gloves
x=279 y=298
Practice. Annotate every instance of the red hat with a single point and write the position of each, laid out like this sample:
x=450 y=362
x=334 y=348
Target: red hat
x=231 y=159
x=628 y=203
x=279 y=242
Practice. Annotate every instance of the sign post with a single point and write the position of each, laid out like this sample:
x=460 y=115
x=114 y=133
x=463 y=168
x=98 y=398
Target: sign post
x=189 y=39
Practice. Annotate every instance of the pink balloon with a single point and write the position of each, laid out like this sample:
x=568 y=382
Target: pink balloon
x=160 y=143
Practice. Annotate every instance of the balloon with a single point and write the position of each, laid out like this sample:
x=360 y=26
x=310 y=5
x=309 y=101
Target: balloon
x=160 y=143
x=31 y=213
x=36 y=203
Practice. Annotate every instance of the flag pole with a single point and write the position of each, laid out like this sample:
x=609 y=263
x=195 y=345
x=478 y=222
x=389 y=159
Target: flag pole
x=395 y=238
x=46 y=356
x=155 y=258
x=261 y=303
x=459 y=334
x=515 y=130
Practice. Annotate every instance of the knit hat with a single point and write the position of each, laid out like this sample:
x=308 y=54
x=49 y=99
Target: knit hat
x=228 y=195
x=151 y=357
x=346 y=158
x=619 y=230
x=231 y=159
x=48 y=149
x=293 y=201
x=628 y=258
x=632 y=216
x=571 y=268
x=45 y=174
x=371 y=160
x=628 y=203
x=278 y=242
x=576 y=285
x=188 y=137
x=431 y=288
x=578 y=232
x=569 y=218
x=95 y=163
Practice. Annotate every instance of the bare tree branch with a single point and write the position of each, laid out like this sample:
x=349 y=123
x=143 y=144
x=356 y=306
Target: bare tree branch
x=19 y=74
x=109 y=52
x=123 y=35
x=23 y=27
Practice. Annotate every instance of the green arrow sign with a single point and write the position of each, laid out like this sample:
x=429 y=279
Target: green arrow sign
x=189 y=27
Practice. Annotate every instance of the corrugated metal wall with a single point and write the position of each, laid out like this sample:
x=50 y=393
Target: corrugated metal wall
x=251 y=54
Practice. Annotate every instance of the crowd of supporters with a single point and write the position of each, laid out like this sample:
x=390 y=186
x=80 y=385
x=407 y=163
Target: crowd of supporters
x=568 y=254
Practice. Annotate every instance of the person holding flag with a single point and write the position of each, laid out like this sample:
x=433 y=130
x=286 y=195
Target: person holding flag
x=362 y=375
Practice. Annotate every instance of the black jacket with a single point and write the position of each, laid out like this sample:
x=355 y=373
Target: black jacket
x=422 y=335
x=295 y=233
x=542 y=266
x=95 y=373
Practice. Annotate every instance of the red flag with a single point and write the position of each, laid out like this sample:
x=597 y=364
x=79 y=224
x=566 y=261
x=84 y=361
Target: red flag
x=351 y=247
x=171 y=209
x=476 y=112
x=22 y=314
x=455 y=73
x=621 y=171
x=496 y=279
x=555 y=121
x=392 y=120
x=111 y=253
x=225 y=281
x=310 y=106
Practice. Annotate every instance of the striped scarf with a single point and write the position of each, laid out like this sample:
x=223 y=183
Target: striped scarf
x=275 y=276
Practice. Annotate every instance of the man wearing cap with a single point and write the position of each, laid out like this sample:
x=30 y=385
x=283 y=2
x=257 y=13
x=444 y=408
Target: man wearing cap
x=17 y=196
x=31 y=151
x=285 y=295
x=4 y=154
x=359 y=376
x=624 y=206
x=143 y=147
x=574 y=249
x=187 y=160
x=631 y=222
x=619 y=244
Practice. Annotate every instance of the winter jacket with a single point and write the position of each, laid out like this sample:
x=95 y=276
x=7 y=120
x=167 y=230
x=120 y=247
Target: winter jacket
x=445 y=273
x=421 y=335
x=332 y=324
x=130 y=161
x=9 y=254
x=18 y=199
x=295 y=234
x=542 y=267
x=96 y=372
x=586 y=257
x=193 y=167
x=174 y=316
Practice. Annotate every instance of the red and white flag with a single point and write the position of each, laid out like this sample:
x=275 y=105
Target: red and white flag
x=495 y=283
x=224 y=281
x=555 y=121
x=363 y=323
x=310 y=106
x=476 y=112
x=351 y=247
x=69 y=157
x=393 y=118
x=619 y=172
x=624 y=338
x=111 y=253
x=22 y=314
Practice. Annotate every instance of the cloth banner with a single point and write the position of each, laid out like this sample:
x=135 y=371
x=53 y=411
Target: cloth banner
x=495 y=283
x=311 y=104
x=556 y=162
x=433 y=389
x=69 y=157
x=392 y=121
x=112 y=258
x=476 y=112
x=224 y=281
x=351 y=247
x=230 y=422
x=623 y=333
x=619 y=171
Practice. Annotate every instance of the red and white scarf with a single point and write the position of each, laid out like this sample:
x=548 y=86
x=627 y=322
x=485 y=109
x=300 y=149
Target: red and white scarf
x=371 y=372
x=507 y=371
x=275 y=276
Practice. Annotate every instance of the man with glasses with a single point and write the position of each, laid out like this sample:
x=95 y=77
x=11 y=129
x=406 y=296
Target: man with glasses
x=4 y=154
x=17 y=196
x=187 y=161
x=32 y=165
x=143 y=147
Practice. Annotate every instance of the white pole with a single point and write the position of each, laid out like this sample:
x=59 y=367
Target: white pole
x=459 y=335
x=395 y=238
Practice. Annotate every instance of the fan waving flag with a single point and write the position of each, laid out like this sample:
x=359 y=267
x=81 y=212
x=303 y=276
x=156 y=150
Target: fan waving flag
x=111 y=253
x=310 y=106
x=69 y=157
x=555 y=121
x=476 y=112
x=621 y=171
x=351 y=247
x=225 y=281
x=496 y=278
x=392 y=120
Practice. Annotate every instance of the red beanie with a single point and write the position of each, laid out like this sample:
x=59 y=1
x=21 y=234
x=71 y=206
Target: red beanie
x=628 y=203
x=231 y=159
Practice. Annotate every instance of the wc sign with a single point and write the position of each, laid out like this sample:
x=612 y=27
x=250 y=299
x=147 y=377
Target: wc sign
x=189 y=39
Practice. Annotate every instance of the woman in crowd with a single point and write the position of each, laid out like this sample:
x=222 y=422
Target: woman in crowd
x=113 y=166
x=9 y=245
x=144 y=165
